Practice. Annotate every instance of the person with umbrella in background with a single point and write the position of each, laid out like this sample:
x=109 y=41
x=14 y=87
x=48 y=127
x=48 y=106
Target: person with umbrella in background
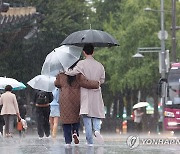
x=54 y=112
x=139 y=111
x=70 y=103
x=138 y=119
x=42 y=101
x=92 y=105
x=9 y=110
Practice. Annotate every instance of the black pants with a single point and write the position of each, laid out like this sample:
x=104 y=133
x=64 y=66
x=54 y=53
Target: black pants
x=42 y=116
x=2 y=123
x=69 y=129
x=138 y=127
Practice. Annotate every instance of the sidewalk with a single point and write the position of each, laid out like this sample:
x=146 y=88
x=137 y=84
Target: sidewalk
x=114 y=144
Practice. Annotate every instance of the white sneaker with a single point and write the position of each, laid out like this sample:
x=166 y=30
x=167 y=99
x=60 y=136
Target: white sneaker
x=67 y=145
x=90 y=145
x=40 y=138
x=75 y=137
x=99 y=137
x=48 y=137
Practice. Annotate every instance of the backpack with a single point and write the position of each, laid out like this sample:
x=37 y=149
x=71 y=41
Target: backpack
x=42 y=98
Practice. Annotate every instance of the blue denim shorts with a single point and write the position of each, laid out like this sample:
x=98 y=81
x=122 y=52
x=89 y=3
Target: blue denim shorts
x=54 y=111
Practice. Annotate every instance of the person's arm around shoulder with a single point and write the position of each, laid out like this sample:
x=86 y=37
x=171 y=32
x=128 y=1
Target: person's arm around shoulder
x=85 y=83
x=76 y=70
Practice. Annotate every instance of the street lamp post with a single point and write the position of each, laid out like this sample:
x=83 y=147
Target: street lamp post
x=149 y=50
x=153 y=50
x=163 y=63
x=174 y=30
x=162 y=57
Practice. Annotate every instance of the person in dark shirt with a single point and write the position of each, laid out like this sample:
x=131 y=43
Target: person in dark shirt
x=42 y=101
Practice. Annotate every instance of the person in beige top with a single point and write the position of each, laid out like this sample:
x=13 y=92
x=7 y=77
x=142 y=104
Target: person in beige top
x=9 y=109
x=92 y=105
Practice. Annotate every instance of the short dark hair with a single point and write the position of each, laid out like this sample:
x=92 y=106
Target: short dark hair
x=8 y=88
x=88 y=49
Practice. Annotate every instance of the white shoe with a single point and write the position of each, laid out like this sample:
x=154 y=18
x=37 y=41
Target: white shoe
x=99 y=137
x=67 y=145
x=75 y=137
x=48 y=137
x=40 y=138
x=90 y=145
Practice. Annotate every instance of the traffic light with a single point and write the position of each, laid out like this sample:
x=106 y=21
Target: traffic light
x=4 y=7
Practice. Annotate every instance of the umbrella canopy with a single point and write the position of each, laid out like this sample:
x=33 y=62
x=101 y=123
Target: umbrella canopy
x=21 y=86
x=51 y=66
x=60 y=59
x=96 y=37
x=42 y=82
x=16 y=85
x=140 y=104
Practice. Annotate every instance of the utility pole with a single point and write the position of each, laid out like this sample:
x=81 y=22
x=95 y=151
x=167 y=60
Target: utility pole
x=173 y=30
x=163 y=56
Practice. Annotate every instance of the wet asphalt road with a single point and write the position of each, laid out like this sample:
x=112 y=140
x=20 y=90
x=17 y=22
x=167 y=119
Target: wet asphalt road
x=114 y=144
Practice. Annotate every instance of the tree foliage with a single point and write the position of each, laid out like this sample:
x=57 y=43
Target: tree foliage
x=126 y=20
x=24 y=58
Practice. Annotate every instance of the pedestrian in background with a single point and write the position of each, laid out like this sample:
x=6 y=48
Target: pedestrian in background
x=1 y=119
x=42 y=101
x=54 y=112
x=138 y=119
x=70 y=103
x=9 y=110
x=92 y=105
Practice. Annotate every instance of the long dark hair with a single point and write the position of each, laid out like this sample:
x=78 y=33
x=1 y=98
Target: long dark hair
x=71 y=79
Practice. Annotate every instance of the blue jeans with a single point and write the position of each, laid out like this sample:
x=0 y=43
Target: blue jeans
x=69 y=129
x=91 y=123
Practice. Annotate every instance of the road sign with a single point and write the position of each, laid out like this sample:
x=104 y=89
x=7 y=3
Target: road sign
x=160 y=35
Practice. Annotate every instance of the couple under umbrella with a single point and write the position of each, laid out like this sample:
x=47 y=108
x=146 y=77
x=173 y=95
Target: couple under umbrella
x=92 y=70
x=92 y=106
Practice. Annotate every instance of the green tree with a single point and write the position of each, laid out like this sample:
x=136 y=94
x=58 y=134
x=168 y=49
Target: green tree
x=60 y=19
x=133 y=28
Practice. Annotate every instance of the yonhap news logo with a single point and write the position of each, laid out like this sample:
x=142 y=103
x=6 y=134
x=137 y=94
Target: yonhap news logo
x=134 y=141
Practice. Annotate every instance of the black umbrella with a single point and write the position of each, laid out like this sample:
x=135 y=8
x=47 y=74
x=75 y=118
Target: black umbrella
x=96 y=37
